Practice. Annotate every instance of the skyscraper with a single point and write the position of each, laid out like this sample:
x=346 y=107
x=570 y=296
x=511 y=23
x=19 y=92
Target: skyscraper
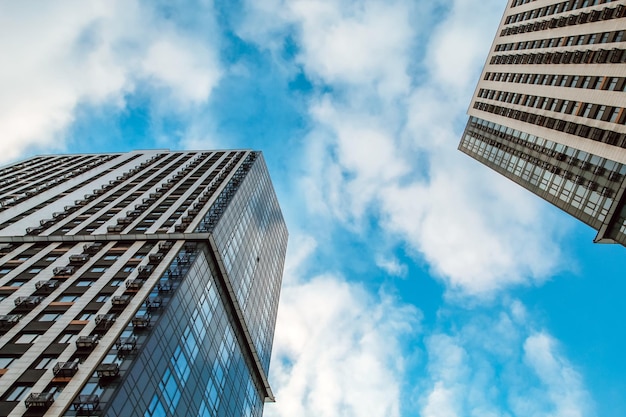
x=138 y=284
x=549 y=109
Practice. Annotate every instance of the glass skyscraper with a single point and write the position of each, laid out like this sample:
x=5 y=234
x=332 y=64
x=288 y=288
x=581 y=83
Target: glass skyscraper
x=549 y=111
x=138 y=284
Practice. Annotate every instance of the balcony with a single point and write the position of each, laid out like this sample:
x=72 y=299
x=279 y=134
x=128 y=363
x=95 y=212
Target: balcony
x=141 y=320
x=133 y=213
x=63 y=271
x=46 y=287
x=79 y=258
x=65 y=369
x=86 y=342
x=86 y=404
x=9 y=320
x=115 y=228
x=27 y=303
x=134 y=284
x=124 y=220
x=145 y=270
x=120 y=301
x=108 y=370
x=154 y=303
x=164 y=286
x=33 y=230
x=126 y=345
x=91 y=248
x=165 y=246
x=40 y=400
x=105 y=321
x=155 y=258
x=46 y=222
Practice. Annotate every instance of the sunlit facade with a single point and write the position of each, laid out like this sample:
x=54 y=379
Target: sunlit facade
x=138 y=284
x=549 y=111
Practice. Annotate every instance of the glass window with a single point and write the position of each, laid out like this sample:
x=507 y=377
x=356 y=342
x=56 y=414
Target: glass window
x=101 y=298
x=17 y=393
x=49 y=316
x=5 y=361
x=98 y=269
x=66 y=338
x=44 y=362
x=27 y=338
x=67 y=298
x=17 y=283
x=85 y=316
x=84 y=283
x=155 y=409
x=110 y=257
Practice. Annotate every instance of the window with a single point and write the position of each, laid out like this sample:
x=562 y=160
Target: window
x=34 y=270
x=101 y=298
x=597 y=83
x=26 y=338
x=66 y=338
x=84 y=283
x=110 y=257
x=5 y=361
x=49 y=316
x=67 y=298
x=51 y=258
x=85 y=316
x=98 y=269
x=17 y=393
x=116 y=282
x=44 y=362
x=17 y=283
x=4 y=271
x=605 y=37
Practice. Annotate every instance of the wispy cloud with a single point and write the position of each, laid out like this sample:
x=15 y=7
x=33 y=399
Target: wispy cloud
x=65 y=54
x=337 y=349
x=500 y=365
x=384 y=126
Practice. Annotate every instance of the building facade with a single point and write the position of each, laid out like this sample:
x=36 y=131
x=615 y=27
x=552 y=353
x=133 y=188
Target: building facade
x=549 y=111
x=141 y=284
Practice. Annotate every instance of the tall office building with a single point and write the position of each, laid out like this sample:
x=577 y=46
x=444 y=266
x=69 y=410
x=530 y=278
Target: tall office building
x=549 y=109
x=141 y=284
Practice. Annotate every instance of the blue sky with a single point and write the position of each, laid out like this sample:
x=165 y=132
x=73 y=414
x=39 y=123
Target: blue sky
x=418 y=282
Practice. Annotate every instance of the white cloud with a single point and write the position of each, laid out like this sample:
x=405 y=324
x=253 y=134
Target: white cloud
x=495 y=365
x=383 y=146
x=392 y=266
x=337 y=349
x=59 y=55
x=563 y=384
